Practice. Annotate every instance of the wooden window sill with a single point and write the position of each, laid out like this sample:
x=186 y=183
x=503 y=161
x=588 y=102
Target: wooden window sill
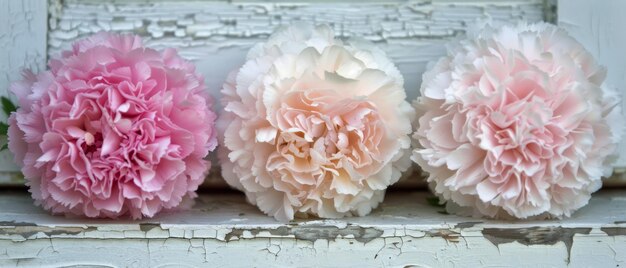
x=223 y=230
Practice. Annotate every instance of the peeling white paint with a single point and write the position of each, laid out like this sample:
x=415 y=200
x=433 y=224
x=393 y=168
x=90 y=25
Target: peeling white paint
x=398 y=234
x=211 y=32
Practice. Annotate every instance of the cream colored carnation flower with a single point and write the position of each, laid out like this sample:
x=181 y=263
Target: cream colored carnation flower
x=314 y=126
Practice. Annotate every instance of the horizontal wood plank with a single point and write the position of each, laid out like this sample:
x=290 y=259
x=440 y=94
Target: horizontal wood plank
x=216 y=35
x=222 y=230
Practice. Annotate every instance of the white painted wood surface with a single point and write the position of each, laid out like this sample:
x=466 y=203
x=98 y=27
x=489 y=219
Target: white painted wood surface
x=23 y=28
x=216 y=35
x=601 y=27
x=223 y=231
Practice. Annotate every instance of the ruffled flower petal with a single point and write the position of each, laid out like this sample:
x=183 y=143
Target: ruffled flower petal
x=516 y=123
x=314 y=126
x=113 y=129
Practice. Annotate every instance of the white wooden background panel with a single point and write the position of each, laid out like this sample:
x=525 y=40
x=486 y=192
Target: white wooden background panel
x=601 y=27
x=23 y=28
x=216 y=35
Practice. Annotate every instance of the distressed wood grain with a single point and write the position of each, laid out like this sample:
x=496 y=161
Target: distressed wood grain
x=222 y=230
x=216 y=35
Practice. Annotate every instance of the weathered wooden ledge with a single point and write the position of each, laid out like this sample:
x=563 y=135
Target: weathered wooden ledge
x=222 y=230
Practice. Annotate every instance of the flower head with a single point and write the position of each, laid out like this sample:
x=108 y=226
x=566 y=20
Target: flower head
x=314 y=126
x=113 y=128
x=516 y=123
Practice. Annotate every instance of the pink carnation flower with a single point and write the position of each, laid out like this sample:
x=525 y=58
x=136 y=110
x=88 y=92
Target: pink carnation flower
x=113 y=128
x=314 y=126
x=517 y=123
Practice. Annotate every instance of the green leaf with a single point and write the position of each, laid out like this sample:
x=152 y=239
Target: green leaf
x=7 y=105
x=4 y=128
x=4 y=147
x=434 y=201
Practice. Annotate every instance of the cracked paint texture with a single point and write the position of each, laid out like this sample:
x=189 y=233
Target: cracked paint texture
x=397 y=234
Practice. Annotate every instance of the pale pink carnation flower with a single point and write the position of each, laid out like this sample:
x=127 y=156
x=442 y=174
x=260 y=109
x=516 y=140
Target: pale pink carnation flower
x=314 y=126
x=112 y=129
x=516 y=123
